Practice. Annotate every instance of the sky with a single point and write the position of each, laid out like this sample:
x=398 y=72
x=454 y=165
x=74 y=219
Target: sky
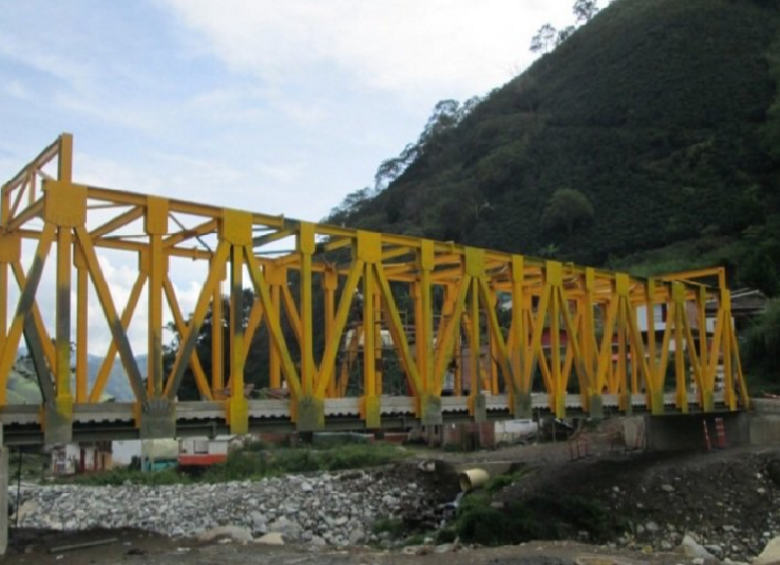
x=275 y=107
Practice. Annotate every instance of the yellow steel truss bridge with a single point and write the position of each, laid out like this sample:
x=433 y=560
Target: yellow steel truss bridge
x=483 y=334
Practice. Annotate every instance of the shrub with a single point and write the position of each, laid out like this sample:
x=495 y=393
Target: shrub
x=394 y=526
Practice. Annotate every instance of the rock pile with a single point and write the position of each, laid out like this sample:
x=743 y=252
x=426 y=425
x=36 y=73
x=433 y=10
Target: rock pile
x=720 y=505
x=324 y=509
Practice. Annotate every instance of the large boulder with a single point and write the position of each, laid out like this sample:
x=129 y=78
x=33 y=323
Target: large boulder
x=271 y=539
x=290 y=529
x=771 y=553
x=235 y=533
x=691 y=548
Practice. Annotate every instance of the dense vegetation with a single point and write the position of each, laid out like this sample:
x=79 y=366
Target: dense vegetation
x=661 y=117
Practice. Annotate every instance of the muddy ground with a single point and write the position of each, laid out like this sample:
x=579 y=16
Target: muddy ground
x=135 y=547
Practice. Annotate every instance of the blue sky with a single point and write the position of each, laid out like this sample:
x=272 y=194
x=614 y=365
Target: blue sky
x=282 y=106
x=276 y=107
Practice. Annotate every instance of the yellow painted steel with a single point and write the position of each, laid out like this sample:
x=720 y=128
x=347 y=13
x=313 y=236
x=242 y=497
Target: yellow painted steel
x=435 y=307
x=82 y=321
x=237 y=405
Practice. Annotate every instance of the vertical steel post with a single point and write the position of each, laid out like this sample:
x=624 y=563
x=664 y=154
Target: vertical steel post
x=728 y=367
x=82 y=326
x=419 y=333
x=426 y=261
x=217 y=339
x=155 y=226
x=520 y=393
x=306 y=249
x=708 y=380
x=622 y=287
x=272 y=276
x=379 y=344
x=553 y=279
x=62 y=344
x=494 y=351
x=330 y=282
x=237 y=404
x=678 y=295
x=368 y=251
x=474 y=345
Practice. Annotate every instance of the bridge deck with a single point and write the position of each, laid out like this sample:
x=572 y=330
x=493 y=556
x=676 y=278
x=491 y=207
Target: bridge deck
x=114 y=421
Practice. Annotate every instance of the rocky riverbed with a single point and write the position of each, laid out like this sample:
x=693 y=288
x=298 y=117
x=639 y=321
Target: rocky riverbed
x=714 y=506
x=323 y=509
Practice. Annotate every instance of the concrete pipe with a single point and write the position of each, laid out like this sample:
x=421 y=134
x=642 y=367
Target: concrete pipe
x=472 y=479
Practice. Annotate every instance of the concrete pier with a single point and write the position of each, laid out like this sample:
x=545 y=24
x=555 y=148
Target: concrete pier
x=685 y=432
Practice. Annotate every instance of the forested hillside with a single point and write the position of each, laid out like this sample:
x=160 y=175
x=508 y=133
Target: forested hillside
x=649 y=139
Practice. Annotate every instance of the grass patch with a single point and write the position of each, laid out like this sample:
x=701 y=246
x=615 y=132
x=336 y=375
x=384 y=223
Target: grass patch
x=394 y=526
x=541 y=517
x=417 y=539
x=253 y=464
x=500 y=482
x=479 y=522
x=446 y=535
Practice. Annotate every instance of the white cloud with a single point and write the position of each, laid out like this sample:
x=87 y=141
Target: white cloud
x=107 y=173
x=458 y=46
x=49 y=62
x=15 y=89
x=93 y=105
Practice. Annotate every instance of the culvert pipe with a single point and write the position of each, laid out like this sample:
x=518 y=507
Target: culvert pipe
x=473 y=478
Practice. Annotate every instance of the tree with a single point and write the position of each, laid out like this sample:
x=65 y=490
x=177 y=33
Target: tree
x=564 y=34
x=584 y=10
x=544 y=40
x=761 y=352
x=549 y=251
x=255 y=369
x=566 y=209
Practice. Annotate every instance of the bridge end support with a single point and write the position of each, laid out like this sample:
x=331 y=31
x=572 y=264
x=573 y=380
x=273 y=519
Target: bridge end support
x=596 y=406
x=431 y=410
x=311 y=414
x=58 y=421
x=685 y=432
x=238 y=415
x=657 y=407
x=625 y=403
x=370 y=410
x=708 y=401
x=522 y=408
x=157 y=419
x=478 y=407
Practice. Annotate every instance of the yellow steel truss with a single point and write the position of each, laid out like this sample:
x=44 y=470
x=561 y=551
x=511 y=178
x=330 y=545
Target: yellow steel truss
x=563 y=319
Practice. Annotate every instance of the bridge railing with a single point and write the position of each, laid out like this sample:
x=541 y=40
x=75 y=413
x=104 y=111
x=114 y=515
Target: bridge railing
x=547 y=327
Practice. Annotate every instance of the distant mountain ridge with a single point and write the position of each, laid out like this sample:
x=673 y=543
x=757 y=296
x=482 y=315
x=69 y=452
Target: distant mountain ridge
x=23 y=385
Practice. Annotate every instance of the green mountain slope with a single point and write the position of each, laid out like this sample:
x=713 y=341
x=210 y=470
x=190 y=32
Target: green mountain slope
x=23 y=384
x=659 y=113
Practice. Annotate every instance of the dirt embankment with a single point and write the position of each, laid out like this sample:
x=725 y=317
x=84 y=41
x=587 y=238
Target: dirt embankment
x=728 y=500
